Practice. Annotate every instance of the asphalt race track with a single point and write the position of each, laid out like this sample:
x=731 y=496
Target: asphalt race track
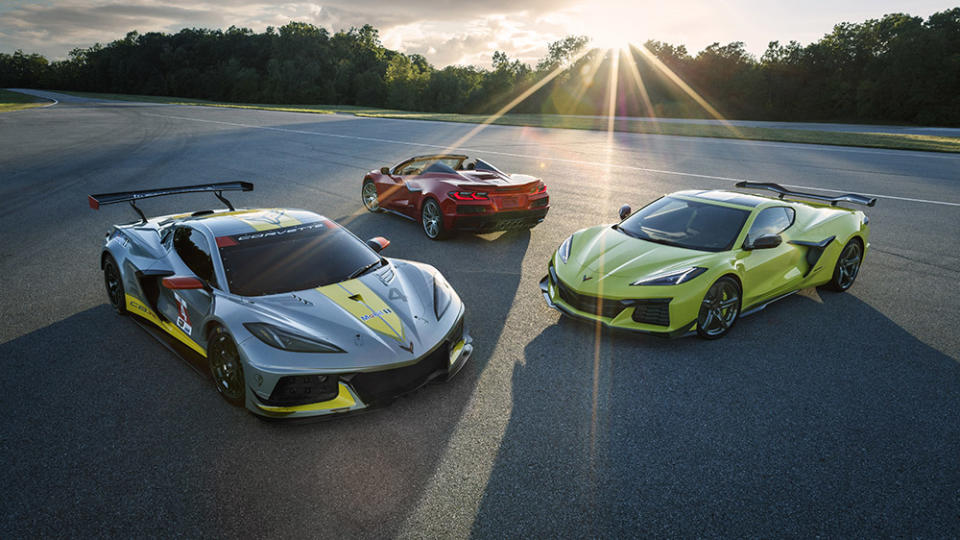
x=824 y=415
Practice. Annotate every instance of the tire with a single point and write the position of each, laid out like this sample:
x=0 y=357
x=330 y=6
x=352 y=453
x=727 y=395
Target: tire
x=226 y=367
x=113 y=281
x=368 y=194
x=719 y=309
x=847 y=267
x=431 y=218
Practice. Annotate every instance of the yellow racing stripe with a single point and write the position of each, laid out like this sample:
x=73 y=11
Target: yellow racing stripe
x=364 y=304
x=139 y=308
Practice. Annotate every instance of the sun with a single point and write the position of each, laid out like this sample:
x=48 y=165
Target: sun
x=612 y=24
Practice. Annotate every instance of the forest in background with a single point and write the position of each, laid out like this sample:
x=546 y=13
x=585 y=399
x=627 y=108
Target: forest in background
x=897 y=69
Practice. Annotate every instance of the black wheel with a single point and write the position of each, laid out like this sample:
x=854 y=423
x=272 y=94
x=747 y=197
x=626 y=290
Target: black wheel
x=432 y=220
x=848 y=266
x=719 y=309
x=114 y=283
x=369 y=195
x=225 y=367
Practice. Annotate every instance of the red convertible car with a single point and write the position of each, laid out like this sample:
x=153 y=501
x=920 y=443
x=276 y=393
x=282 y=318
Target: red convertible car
x=450 y=192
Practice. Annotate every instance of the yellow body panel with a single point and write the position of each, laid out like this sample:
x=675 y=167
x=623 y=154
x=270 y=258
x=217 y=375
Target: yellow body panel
x=364 y=304
x=138 y=308
x=455 y=352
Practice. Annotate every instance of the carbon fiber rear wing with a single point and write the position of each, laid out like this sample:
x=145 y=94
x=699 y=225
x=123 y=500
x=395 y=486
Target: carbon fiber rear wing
x=133 y=196
x=784 y=192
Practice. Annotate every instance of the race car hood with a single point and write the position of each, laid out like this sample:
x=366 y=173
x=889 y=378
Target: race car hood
x=604 y=254
x=386 y=316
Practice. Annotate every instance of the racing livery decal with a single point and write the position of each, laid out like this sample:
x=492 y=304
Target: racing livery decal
x=183 y=316
x=364 y=304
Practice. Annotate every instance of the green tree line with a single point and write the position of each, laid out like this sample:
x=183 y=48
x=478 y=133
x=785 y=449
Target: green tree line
x=898 y=68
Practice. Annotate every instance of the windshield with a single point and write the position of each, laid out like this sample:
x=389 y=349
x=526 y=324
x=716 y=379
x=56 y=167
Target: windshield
x=433 y=164
x=686 y=224
x=292 y=258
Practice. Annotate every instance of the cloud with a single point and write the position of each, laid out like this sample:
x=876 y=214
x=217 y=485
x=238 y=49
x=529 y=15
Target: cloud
x=445 y=31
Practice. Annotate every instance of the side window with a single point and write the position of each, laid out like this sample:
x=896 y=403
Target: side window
x=194 y=250
x=771 y=221
x=166 y=236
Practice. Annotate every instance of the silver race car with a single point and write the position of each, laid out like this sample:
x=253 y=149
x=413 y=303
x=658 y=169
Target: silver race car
x=293 y=314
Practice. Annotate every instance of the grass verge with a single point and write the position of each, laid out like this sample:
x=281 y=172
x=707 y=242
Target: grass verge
x=15 y=101
x=893 y=141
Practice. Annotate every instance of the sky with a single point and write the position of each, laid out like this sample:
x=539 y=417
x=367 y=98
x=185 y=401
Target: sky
x=452 y=32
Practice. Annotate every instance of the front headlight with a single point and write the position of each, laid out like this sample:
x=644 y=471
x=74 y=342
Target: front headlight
x=288 y=341
x=672 y=278
x=442 y=295
x=564 y=250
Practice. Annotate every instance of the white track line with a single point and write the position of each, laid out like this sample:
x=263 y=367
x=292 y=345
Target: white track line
x=542 y=158
x=806 y=147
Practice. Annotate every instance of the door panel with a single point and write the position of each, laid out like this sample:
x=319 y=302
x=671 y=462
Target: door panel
x=771 y=272
x=188 y=309
x=768 y=273
x=393 y=193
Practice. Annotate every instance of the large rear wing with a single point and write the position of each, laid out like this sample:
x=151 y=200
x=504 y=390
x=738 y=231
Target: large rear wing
x=784 y=192
x=133 y=196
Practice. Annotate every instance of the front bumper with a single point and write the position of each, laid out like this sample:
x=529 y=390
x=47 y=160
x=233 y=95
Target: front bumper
x=366 y=390
x=623 y=322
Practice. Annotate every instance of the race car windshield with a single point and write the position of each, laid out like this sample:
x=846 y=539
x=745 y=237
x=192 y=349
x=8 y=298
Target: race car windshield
x=292 y=258
x=686 y=224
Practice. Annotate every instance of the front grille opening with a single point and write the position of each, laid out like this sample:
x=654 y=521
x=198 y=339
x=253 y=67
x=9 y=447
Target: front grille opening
x=385 y=385
x=655 y=312
x=590 y=304
x=303 y=389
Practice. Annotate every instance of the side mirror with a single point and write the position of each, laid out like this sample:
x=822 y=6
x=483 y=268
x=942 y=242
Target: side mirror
x=179 y=283
x=766 y=241
x=384 y=170
x=378 y=243
x=625 y=212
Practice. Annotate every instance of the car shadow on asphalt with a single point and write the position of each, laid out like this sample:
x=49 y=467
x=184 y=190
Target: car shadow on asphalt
x=114 y=433
x=807 y=419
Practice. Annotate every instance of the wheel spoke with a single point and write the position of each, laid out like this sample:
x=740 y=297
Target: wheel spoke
x=724 y=323
x=729 y=303
x=708 y=321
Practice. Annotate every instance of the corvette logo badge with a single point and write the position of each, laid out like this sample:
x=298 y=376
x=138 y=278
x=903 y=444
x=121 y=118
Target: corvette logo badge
x=586 y=277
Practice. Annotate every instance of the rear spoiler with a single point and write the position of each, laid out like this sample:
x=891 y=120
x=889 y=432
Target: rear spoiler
x=133 y=196
x=777 y=188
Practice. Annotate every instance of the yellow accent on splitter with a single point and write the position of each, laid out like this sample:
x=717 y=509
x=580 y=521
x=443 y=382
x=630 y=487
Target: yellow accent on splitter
x=344 y=400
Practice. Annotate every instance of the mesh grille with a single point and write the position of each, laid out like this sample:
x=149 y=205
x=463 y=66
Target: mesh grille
x=652 y=312
x=302 y=389
x=590 y=304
